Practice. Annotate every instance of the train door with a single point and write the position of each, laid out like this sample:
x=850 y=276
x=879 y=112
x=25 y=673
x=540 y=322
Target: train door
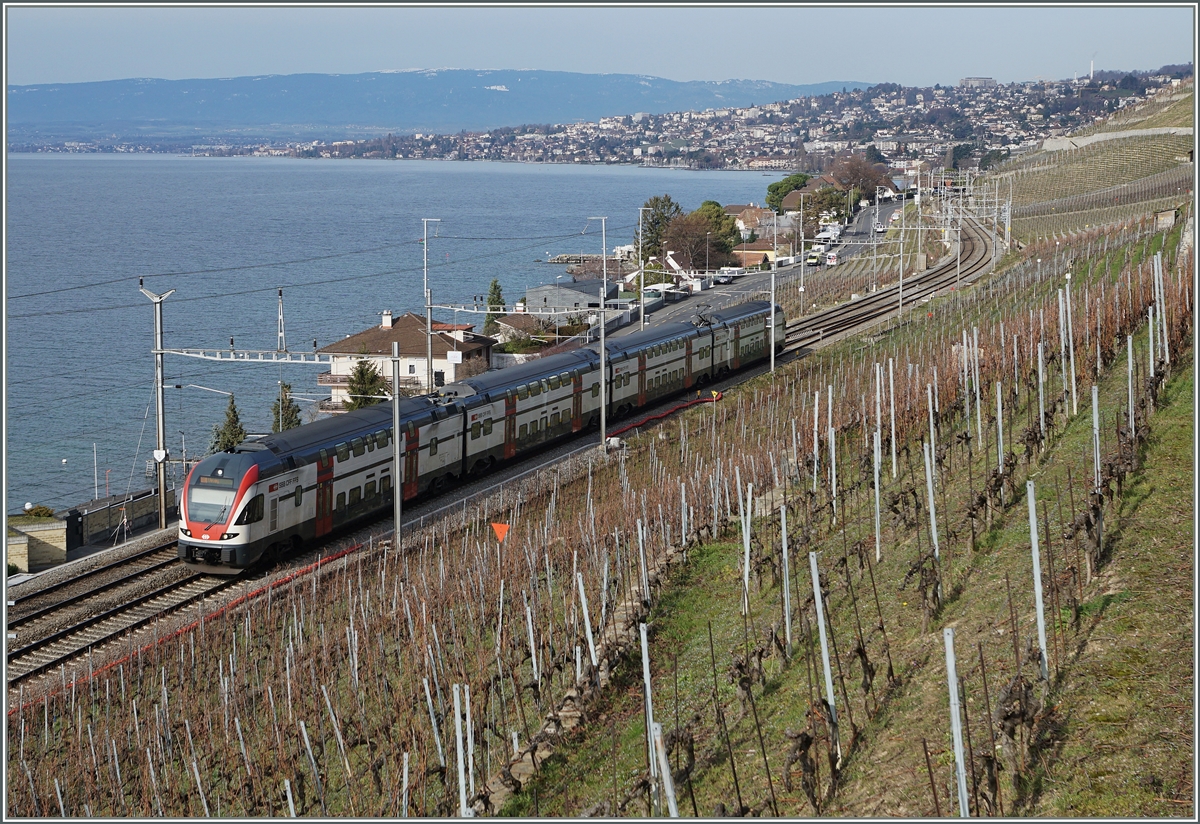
x=736 y=353
x=412 y=445
x=687 y=364
x=324 y=519
x=510 y=424
x=576 y=402
x=642 y=378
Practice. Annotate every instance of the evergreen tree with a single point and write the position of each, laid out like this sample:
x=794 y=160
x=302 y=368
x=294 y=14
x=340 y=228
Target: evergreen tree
x=229 y=434
x=365 y=382
x=291 y=410
x=777 y=190
x=661 y=210
x=495 y=300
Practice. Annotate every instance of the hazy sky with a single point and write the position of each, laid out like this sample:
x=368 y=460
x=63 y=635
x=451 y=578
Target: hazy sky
x=910 y=45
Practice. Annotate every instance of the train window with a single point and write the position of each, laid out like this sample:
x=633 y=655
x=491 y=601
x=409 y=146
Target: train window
x=522 y=393
x=565 y=377
x=554 y=382
x=253 y=513
x=508 y=396
x=343 y=452
x=433 y=442
x=299 y=493
x=595 y=390
x=476 y=428
x=383 y=437
x=385 y=484
x=358 y=446
x=369 y=490
x=324 y=457
x=535 y=388
x=533 y=427
x=523 y=432
x=487 y=426
x=555 y=420
x=355 y=496
x=412 y=430
x=341 y=501
x=370 y=439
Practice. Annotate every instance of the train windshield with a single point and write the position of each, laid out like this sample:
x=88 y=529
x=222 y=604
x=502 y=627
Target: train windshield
x=209 y=503
x=213 y=485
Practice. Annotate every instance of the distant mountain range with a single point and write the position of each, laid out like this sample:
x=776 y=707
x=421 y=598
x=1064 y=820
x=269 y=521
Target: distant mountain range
x=323 y=106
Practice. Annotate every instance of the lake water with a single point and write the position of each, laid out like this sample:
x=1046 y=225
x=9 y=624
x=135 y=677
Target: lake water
x=340 y=237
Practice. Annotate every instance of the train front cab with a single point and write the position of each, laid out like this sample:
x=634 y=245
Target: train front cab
x=220 y=511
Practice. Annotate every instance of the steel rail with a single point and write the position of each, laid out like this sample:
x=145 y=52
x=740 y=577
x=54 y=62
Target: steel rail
x=186 y=587
x=133 y=575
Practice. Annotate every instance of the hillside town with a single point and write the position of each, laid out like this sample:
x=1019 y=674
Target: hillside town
x=975 y=123
x=988 y=120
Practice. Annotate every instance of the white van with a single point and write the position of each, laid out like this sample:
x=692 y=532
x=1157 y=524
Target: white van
x=831 y=259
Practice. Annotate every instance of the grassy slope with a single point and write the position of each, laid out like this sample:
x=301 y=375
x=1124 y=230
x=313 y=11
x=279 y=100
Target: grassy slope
x=1115 y=741
x=1128 y=701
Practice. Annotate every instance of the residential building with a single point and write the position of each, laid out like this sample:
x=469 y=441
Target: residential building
x=456 y=350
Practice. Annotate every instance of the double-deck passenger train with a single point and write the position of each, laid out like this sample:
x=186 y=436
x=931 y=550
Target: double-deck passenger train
x=273 y=493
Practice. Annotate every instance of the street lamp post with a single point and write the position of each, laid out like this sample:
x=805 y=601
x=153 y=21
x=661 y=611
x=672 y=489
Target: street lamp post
x=425 y=221
x=160 y=453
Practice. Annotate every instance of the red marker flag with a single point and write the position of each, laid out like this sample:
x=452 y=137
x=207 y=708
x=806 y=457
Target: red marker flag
x=501 y=530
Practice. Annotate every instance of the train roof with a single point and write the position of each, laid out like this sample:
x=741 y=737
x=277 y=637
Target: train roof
x=339 y=427
x=648 y=337
x=490 y=383
x=741 y=310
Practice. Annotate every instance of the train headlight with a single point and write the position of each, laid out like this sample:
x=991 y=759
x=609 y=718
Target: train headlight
x=186 y=532
x=228 y=535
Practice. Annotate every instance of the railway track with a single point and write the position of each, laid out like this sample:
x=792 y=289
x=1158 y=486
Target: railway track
x=829 y=324
x=46 y=651
x=58 y=625
x=29 y=608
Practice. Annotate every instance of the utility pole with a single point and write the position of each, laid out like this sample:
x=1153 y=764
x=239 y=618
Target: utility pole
x=774 y=266
x=397 y=452
x=280 y=346
x=771 y=334
x=901 y=283
x=603 y=255
x=425 y=221
x=160 y=453
x=641 y=273
x=603 y=381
